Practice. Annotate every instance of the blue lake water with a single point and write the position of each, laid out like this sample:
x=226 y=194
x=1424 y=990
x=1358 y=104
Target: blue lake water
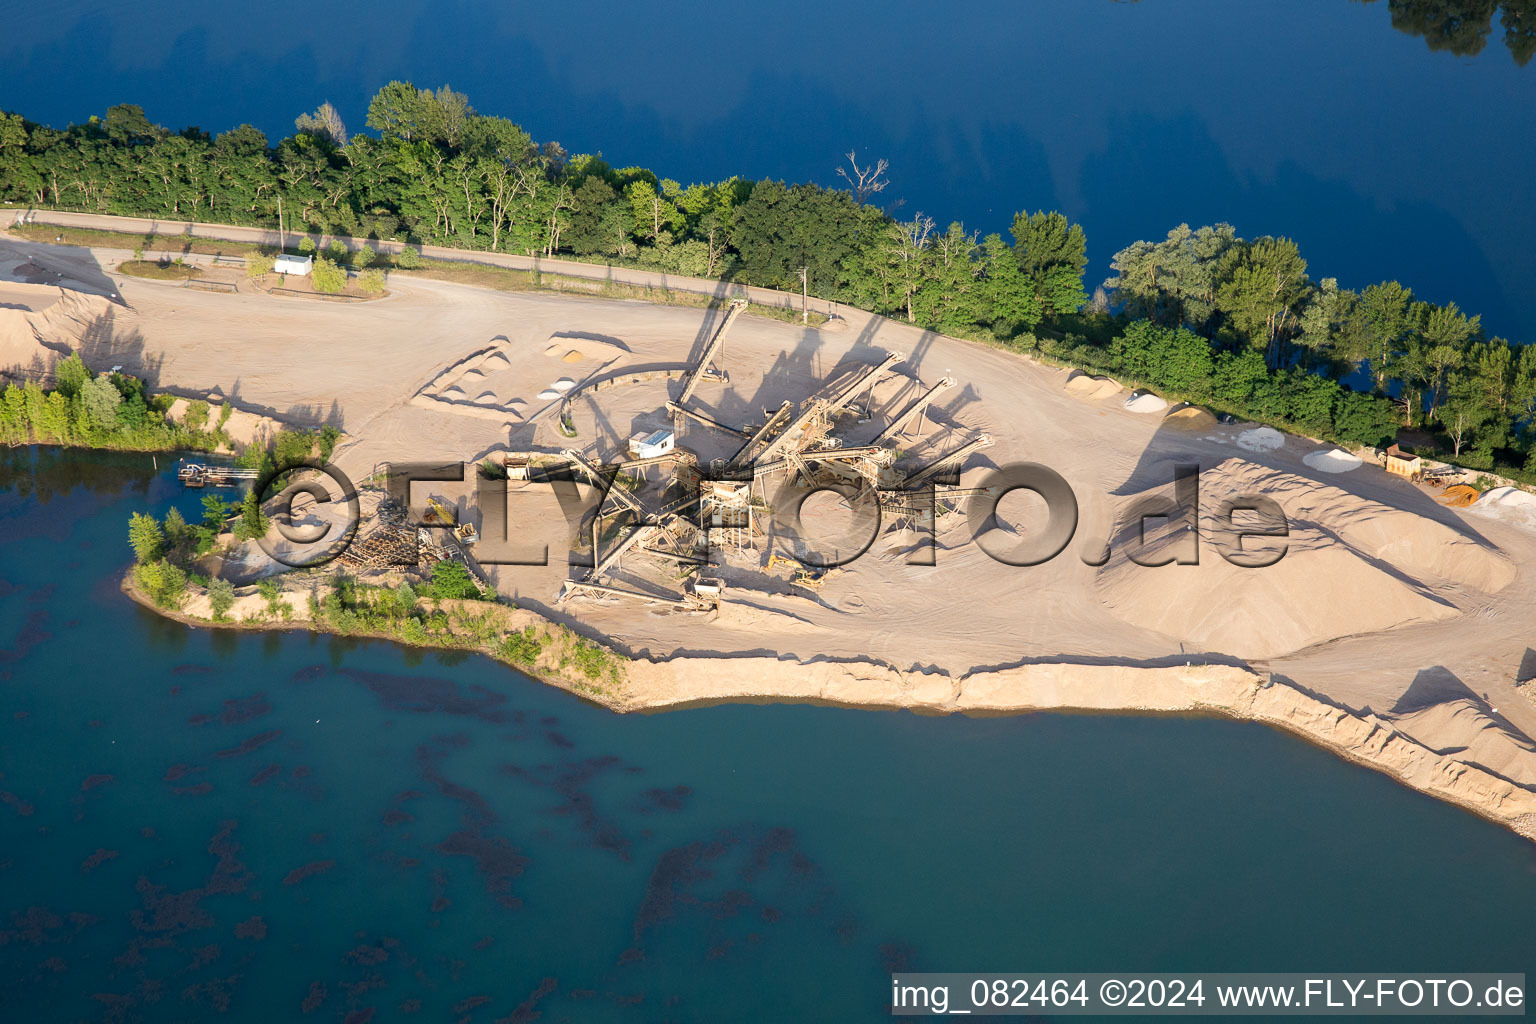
x=1382 y=158
x=200 y=825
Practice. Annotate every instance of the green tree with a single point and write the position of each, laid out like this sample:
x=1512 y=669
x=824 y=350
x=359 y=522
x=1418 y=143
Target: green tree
x=395 y=112
x=15 y=426
x=101 y=399
x=221 y=597
x=327 y=276
x=1465 y=411
x=1173 y=281
x=906 y=254
x=70 y=375
x=215 y=511
x=1171 y=358
x=177 y=532
x=1261 y=287
x=408 y=258
x=163 y=582
x=146 y=537
x=1310 y=401
x=1052 y=253
x=1378 y=329
x=654 y=213
x=951 y=298
x=53 y=420
x=258 y=265
x=371 y=281
x=1364 y=419
x=253 y=523
x=1238 y=378
x=1007 y=295
x=600 y=224
x=1440 y=345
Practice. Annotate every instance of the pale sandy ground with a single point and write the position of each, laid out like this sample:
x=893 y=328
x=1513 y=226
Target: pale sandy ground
x=1409 y=615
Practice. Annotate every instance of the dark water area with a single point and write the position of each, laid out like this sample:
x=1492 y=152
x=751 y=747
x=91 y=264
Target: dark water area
x=200 y=825
x=1383 y=156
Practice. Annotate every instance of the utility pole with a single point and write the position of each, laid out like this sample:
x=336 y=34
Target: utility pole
x=805 y=298
x=280 y=235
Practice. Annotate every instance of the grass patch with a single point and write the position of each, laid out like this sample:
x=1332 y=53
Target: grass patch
x=480 y=275
x=506 y=279
x=183 y=244
x=158 y=270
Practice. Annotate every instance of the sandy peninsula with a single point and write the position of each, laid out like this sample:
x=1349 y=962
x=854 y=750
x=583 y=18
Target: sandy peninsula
x=1393 y=631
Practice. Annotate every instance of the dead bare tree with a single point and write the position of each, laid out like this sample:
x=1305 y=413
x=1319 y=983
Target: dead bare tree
x=864 y=181
x=325 y=123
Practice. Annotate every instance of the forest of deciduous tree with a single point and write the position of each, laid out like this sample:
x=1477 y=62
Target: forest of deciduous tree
x=1203 y=314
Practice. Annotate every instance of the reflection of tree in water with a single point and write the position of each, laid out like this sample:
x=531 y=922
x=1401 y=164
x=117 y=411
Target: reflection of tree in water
x=1463 y=26
x=45 y=472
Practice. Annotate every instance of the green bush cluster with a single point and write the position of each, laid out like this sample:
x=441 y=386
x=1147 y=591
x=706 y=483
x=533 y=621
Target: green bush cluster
x=523 y=647
x=107 y=410
x=592 y=660
x=451 y=581
x=221 y=597
x=165 y=583
x=1181 y=365
x=327 y=276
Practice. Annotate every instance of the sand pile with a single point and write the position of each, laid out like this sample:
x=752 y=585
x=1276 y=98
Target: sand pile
x=1332 y=460
x=1508 y=503
x=1082 y=385
x=573 y=348
x=1351 y=566
x=60 y=319
x=1145 y=402
x=70 y=320
x=474 y=385
x=1190 y=417
x=18 y=343
x=1459 y=496
x=1261 y=439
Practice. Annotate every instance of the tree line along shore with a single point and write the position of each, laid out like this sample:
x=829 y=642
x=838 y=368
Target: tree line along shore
x=1203 y=315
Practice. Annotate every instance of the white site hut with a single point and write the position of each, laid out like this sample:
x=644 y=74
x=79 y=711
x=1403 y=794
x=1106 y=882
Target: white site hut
x=649 y=446
x=285 y=263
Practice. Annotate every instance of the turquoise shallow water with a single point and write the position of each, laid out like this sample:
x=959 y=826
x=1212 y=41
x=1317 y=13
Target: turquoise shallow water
x=198 y=825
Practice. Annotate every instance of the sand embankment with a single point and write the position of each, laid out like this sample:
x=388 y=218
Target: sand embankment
x=1215 y=689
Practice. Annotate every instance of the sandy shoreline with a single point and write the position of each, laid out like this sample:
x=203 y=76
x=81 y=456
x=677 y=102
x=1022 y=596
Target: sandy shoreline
x=1394 y=633
x=1219 y=690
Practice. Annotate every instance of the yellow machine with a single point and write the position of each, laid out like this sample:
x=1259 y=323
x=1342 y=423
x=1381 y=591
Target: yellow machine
x=813 y=579
x=464 y=533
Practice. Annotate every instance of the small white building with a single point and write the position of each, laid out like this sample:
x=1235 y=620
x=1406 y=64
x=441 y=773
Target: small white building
x=649 y=446
x=285 y=263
